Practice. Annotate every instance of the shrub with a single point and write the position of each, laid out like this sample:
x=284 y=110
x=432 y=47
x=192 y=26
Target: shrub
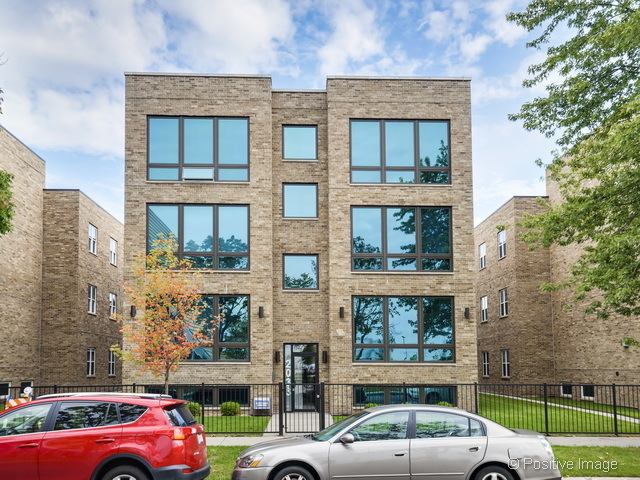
x=444 y=404
x=369 y=405
x=195 y=409
x=230 y=409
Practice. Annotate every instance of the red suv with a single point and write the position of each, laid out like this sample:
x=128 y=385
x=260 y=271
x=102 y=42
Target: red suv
x=102 y=436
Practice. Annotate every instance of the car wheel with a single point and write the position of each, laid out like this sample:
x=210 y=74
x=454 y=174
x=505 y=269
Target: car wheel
x=293 y=473
x=125 y=472
x=494 y=472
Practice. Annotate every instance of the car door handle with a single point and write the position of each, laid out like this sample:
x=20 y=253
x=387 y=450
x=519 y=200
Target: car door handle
x=106 y=440
x=474 y=449
x=399 y=454
x=28 y=445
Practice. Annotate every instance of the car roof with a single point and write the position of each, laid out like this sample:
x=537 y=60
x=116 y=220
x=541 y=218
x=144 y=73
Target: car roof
x=151 y=396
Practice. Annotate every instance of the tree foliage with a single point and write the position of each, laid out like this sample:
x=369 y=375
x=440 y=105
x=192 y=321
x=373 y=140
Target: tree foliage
x=7 y=207
x=593 y=110
x=166 y=329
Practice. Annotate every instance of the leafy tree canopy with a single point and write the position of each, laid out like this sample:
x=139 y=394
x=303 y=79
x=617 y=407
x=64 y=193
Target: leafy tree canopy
x=7 y=207
x=593 y=110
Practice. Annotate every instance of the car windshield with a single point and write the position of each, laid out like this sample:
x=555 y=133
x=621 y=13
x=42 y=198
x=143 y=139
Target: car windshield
x=331 y=430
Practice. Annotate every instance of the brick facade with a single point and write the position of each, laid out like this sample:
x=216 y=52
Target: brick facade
x=45 y=268
x=309 y=317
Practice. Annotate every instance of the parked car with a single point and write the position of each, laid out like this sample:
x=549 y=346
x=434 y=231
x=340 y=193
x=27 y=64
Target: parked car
x=404 y=441
x=102 y=436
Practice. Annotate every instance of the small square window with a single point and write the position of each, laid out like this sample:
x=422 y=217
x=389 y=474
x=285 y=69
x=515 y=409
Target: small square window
x=300 y=272
x=299 y=200
x=299 y=142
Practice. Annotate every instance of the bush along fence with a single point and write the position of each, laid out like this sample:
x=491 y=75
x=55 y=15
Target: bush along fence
x=257 y=409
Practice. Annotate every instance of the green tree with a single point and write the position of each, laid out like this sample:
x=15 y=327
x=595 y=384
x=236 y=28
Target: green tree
x=7 y=207
x=592 y=111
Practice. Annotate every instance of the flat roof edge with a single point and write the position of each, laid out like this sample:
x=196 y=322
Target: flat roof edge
x=367 y=77
x=186 y=74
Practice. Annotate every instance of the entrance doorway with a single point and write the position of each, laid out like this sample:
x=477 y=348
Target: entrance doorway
x=301 y=377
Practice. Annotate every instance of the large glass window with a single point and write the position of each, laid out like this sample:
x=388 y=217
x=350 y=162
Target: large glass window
x=299 y=142
x=300 y=200
x=211 y=236
x=403 y=329
x=401 y=238
x=400 y=151
x=198 y=148
x=300 y=272
x=228 y=339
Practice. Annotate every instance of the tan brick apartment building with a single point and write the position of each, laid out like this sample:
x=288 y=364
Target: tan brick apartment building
x=334 y=226
x=534 y=337
x=47 y=268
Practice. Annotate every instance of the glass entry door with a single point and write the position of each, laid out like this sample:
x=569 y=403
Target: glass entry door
x=301 y=376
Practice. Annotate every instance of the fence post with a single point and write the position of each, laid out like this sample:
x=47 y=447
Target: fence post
x=477 y=398
x=202 y=404
x=281 y=410
x=546 y=410
x=55 y=389
x=615 y=409
x=133 y=388
x=322 y=422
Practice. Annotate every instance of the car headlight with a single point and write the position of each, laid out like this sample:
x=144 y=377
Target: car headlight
x=546 y=445
x=249 y=461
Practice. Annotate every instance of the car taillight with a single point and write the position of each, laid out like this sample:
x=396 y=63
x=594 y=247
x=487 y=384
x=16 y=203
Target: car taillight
x=176 y=433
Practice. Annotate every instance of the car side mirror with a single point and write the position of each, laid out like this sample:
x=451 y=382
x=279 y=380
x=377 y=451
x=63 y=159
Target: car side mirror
x=347 y=438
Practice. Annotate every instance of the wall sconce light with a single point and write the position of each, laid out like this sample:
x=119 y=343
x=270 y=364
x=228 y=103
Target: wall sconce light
x=341 y=312
x=467 y=313
x=133 y=311
x=325 y=356
x=276 y=356
x=260 y=312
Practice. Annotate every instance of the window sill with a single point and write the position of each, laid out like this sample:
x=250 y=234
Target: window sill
x=303 y=160
x=300 y=290
x=199 y=182
x=297 y=219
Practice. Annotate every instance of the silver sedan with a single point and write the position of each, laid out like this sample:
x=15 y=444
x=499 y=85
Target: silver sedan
x=397 y=442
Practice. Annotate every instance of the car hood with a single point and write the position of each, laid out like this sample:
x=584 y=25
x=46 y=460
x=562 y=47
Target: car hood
x=277 y=443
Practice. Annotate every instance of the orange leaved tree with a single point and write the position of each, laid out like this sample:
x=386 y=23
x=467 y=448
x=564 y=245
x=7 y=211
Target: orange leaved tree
x=165 y=329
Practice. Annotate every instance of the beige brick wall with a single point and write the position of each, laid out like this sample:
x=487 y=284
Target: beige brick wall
x=69 y=268
x=309 y=317
x=527 y=330
x=21 y=264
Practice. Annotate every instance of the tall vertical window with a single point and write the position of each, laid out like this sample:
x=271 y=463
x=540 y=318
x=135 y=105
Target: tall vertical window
x=93 y=239
x=485 y=364
x=228 y=340
x=198 y=148
x=300 y=200
x=113 y=304
x=112 y=364
x=113 y=251
x=211 y=236
x=504 y=302
x=91 y=362
x=401 y=238
x=506 y=365
x=92 y=294
x=502 y=243
x=300 y=272
x=484 y=309
x=403 y=329
x=482 y=252
x=300 y=142
x=400 y=151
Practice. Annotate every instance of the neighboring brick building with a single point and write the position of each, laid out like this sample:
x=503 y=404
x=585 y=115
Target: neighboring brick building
x=303 y=207
x=547 y=337
x=45 y=271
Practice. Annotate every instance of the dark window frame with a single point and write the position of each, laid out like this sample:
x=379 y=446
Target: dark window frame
x=317 y=204
x=420 y=345
x=215 y=343
x=213 y=254
x=384 y=256
x=316 y=145
x=215 y=163
x=416 y=169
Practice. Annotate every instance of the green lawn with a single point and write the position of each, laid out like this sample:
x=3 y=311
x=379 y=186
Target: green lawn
x=598 y=407
x=244 y=424
x=573 y=461
x=515 y=413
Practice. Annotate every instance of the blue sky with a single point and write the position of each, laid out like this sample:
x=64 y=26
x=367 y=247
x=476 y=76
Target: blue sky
x=65 y=61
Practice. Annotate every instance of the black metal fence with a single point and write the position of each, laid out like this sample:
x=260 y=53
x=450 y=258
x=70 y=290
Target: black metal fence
x=278 y=408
